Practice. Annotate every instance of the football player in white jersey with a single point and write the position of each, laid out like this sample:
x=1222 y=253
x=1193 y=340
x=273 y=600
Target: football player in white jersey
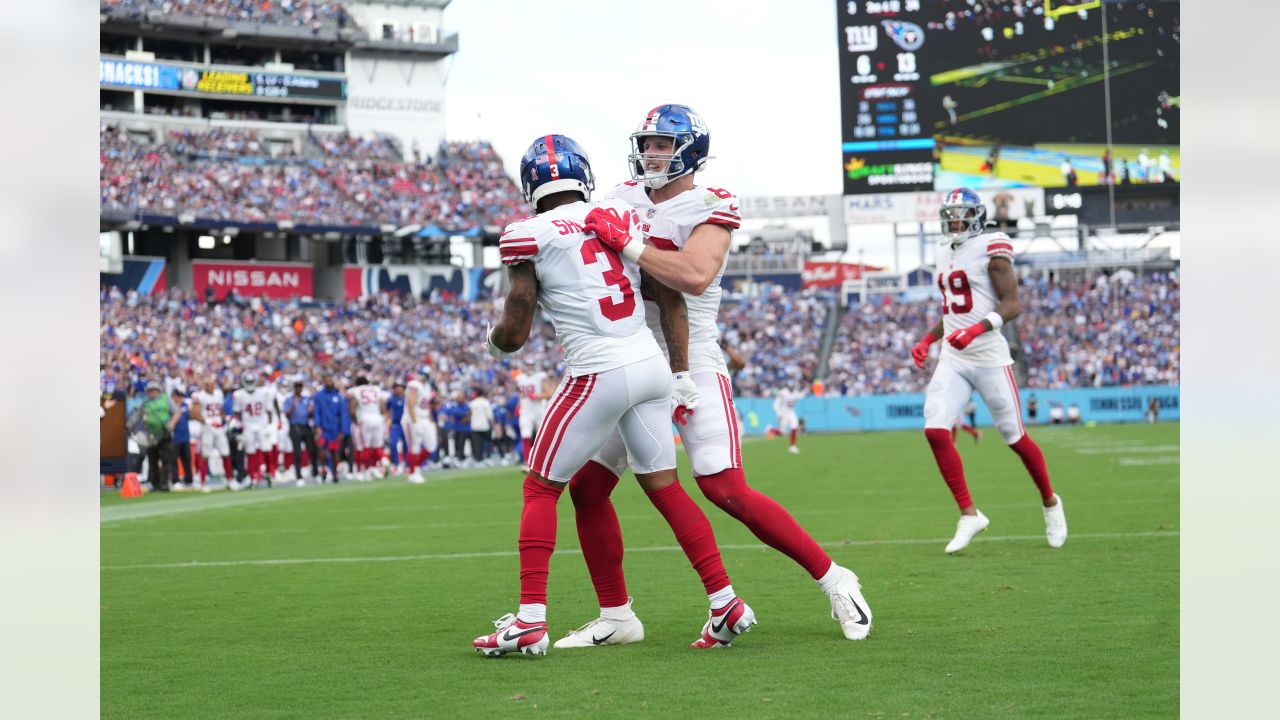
x=535 y=388
x=979 y=295
x=688 y=231
x=207 y=408
x=784 y=406
x=368 y=403
x=254 y=407
x=419 y=426
x=615 y=377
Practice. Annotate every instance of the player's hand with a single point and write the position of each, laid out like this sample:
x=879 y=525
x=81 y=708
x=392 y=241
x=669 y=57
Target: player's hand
x=685 y=395
x=920 y=352
x=613 y=230
x=494 y=351
x=960 y=339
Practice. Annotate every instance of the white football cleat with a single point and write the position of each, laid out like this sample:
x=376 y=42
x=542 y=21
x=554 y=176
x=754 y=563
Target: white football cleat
x=793 y=450
x=725 y=625
x=513 y=636
x=850 y=608
x=1055 y=524
x=416 y=478
x=605 y=631
x=966 y=528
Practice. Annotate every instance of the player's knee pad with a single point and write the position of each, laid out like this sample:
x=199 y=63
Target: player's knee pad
x=709 y=460
x=1010 y=430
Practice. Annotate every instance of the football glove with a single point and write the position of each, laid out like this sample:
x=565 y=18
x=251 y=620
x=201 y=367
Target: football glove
x=960 y=339
x=495 y=351
x=920 y=352
x=685 y=395
x=613 y=230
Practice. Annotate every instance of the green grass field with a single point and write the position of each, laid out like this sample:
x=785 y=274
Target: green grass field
x=360 y=601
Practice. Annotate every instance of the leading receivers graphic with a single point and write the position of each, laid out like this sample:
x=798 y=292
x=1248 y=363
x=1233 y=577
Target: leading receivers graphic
x=979 y=295
x=615 y=377
x=688 y=228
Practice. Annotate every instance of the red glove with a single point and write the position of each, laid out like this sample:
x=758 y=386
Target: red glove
x=960 y=339
x=920 y=352
x=614 y=231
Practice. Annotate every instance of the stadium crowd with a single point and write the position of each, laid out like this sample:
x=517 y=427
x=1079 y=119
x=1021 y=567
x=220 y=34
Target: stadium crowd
x=1095 y=330
x=230 y=175
x=305 y=13
x=780 y=337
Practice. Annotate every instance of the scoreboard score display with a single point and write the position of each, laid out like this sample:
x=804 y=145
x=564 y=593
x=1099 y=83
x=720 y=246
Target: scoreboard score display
x=886 y=114
x=940 y=93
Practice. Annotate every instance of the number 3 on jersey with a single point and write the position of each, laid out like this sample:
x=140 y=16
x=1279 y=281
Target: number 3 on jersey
x=958 y=283
x=592 y=249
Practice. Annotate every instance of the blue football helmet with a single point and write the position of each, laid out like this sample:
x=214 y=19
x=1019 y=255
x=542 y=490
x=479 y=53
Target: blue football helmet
x=552 y=164
x=962 y=205
x=689 y=134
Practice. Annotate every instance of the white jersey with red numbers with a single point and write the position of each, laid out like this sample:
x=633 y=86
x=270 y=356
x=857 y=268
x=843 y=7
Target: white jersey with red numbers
x=968 y=296
x=422 y=407
x=667 y=226
x=210 y=406
x=588 y=290
x=529 y=385
x=786 y=401
x=253 y=406
x=369 y=401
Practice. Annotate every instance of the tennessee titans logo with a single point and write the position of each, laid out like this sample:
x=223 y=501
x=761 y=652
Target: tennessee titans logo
x=908 y=36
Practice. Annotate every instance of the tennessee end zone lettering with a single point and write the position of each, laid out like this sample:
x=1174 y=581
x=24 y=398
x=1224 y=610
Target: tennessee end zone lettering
x=279 y=281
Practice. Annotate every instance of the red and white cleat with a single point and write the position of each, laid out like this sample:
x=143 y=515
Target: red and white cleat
x=725 y=625
x=513 y=636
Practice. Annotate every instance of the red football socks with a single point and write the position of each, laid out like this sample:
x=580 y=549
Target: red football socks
x=1033 y=459
x=599 y=533
x=949 y=464
x=765 y=518
x=693 y=533
x=793 y=437
x=537 y=539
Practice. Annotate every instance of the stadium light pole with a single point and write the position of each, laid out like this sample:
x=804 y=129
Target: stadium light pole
x=1106 y=104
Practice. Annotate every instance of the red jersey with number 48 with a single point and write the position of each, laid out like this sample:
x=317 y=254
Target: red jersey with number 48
x=968 y=296
x=590 y=292
x=667 y=226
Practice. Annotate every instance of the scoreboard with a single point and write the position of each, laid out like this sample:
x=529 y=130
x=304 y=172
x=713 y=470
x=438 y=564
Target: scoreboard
x=984 y=93
x=886 y=112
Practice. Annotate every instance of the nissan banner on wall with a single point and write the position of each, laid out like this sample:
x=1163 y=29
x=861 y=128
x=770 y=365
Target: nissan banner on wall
x=273 y=280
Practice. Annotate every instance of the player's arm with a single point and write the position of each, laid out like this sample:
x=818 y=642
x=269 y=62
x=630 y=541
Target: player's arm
x=512 y=330
x=673 y=316
x=689 y=270
x=197 y=412
x=693 y=268
x=411 y=405
x=737 y=360
x=1005 y=284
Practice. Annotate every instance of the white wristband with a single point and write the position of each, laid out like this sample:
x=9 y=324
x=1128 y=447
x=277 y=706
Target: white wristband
x=632 y=251
x=996 y=320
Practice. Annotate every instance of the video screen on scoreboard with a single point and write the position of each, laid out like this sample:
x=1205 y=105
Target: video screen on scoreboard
x=1009 y=93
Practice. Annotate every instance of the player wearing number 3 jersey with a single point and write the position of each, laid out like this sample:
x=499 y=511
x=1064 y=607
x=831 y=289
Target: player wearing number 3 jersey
x=683 y=241
x=979 y=295
x=616 y=377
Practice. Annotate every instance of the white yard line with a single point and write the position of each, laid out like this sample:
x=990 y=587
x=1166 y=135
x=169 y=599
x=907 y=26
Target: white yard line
x=574 y=551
